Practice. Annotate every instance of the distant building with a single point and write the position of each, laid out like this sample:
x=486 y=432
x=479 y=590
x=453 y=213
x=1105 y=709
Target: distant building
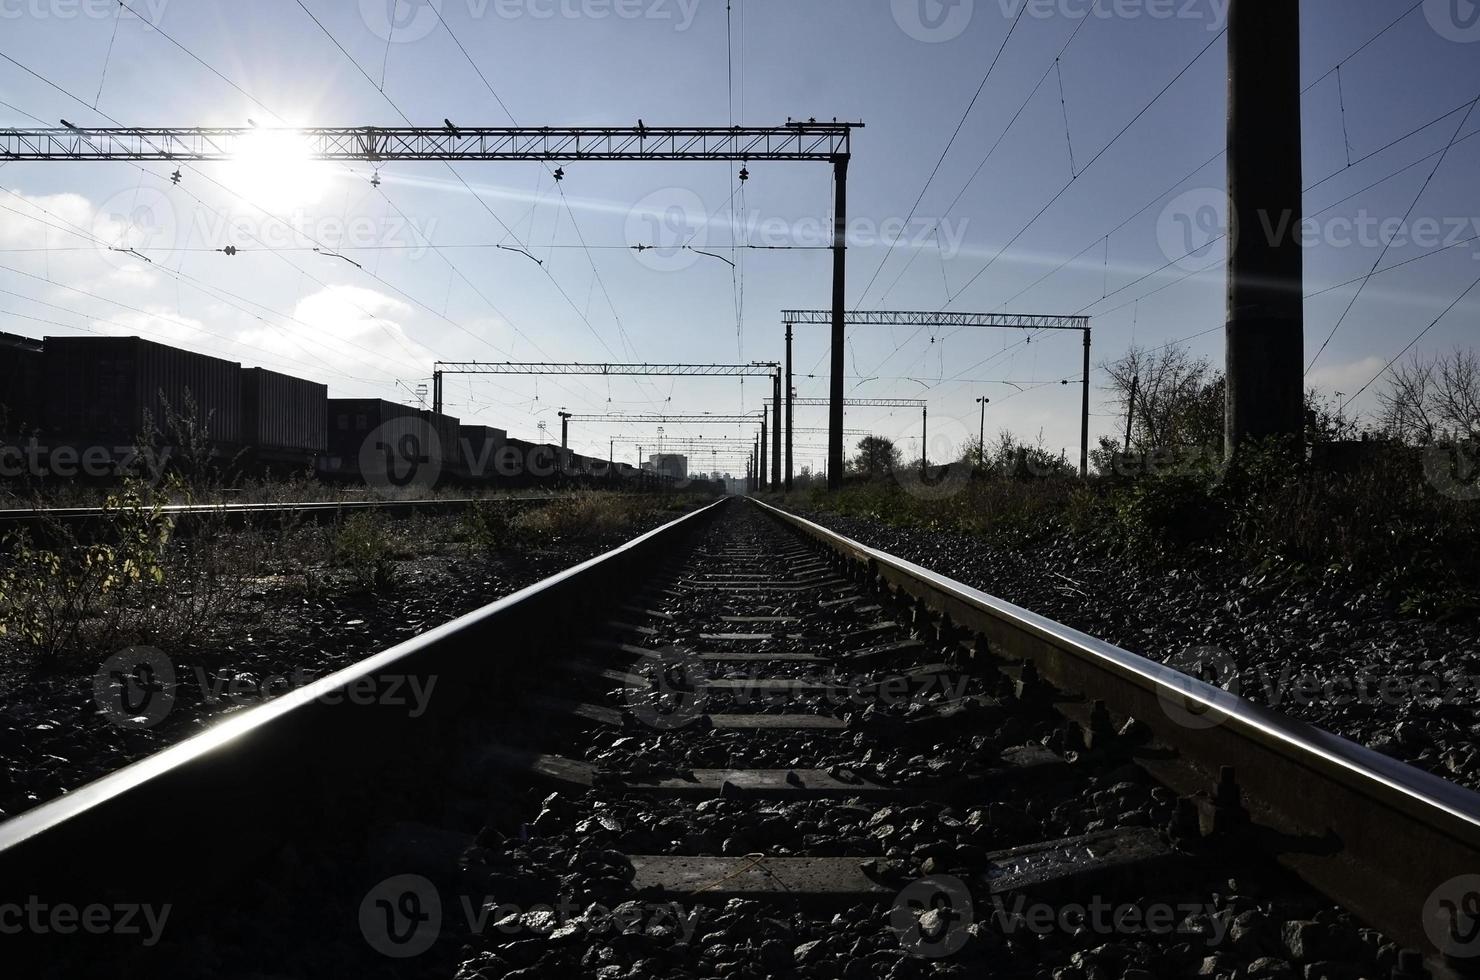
x=669 y=464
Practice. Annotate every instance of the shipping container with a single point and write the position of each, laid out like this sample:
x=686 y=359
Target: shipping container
x=100 y=390
x=478 y=448
x=282 y=414
x=353 y=421
x=21 y=366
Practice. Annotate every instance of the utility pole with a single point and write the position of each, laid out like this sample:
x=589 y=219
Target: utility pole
x=1266 y=317
x=564 y=429
x=765 y=418
x=1130 y=412
x=837 y=393
x=776 y=433
x=924 y=442
x=1084 y=419
x=790 y=432
x=981 y=438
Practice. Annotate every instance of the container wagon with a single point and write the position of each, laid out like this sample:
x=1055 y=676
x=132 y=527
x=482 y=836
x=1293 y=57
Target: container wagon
x=353 y=421
x=478 y=452
x=106 y=391
x=21 y=366
x=285 y=420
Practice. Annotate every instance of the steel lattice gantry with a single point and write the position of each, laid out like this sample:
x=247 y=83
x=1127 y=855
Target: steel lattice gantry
x=770 y=369
x=809 y=141
x=667 y=419
x=791 y=401
x=917 y=318
x=825 y=142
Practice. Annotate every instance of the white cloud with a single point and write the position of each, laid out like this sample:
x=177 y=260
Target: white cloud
x=1345 y=378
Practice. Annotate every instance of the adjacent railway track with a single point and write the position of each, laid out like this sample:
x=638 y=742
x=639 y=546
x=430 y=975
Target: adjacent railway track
x=742 y=745
x=84 y=520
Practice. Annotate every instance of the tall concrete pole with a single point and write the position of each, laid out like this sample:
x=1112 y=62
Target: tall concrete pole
x=765 y=418
x=776 y=432
x=836 y=393
x=789 y=431
x=1266 y=321
x=924 y=441
x=1084 y=417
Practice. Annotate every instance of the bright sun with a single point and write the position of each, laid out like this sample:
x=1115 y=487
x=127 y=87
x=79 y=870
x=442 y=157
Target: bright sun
x=274 y=169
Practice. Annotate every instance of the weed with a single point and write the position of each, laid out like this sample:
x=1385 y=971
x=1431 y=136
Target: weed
x=365 y=547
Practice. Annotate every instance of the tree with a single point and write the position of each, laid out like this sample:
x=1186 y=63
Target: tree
x=1178 y=398
x=1433 y=399
x=877 y=457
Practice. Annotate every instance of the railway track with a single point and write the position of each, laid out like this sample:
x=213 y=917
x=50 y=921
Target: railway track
x=86 y=520
x=741 y=746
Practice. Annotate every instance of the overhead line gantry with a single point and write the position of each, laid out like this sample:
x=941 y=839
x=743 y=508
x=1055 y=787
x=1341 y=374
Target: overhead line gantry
x=810 y=140
x=916 y=318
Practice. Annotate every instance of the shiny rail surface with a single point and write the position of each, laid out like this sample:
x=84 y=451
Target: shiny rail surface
x=1375 y=834
x=249 y=777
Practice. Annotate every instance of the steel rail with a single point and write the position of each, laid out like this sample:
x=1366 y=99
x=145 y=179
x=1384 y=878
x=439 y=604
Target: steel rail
x=187 y=516
x=298 y=764
x=1375 y=834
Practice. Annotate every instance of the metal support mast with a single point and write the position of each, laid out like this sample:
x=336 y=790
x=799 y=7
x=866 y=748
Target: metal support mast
x=790 y=432
x=776 y=435
x=840 y=251
x=765 y=418
x=1266 y=318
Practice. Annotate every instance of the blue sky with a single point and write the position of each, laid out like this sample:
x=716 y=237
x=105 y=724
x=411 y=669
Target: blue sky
x=907 y=68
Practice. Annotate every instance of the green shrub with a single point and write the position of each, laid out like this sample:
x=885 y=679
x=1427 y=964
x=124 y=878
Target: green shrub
x=365 y=548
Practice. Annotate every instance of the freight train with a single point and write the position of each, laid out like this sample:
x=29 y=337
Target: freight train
x=76 y=406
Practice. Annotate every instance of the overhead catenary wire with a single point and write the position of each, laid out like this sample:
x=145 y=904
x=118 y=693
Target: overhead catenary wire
x=1387 y=243
x=991 y=67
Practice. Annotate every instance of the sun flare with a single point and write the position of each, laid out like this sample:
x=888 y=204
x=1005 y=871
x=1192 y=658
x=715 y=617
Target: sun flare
x=274 y=168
